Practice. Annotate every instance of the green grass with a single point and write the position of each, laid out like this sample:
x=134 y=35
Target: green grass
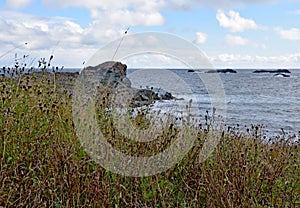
x=44 y=165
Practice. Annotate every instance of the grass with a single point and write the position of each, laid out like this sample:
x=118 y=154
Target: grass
x=42 y=163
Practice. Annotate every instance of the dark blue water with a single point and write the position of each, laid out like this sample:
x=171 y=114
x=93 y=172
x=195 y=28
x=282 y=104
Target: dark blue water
x=251 y=98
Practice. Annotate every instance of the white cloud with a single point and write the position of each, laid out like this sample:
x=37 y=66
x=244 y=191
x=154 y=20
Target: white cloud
x=56 y=33
x=192 y=4
x=72 y=44
x=44 y=32
x=228 y=58
x=291 y=34
x=109 y=19
x=127 y=17
x=289 y=60
x=18 y=3
x=143 y=5
x=182 y=4
x=201 y=37
x=40 y=33
x=234 y=22
x=236 y=40
x=153 y=61
x=297 y=12
x=248 y=61
x=264 y=47
x=126 y=12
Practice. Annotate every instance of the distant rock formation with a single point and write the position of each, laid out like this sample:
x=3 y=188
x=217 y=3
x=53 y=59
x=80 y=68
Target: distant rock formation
x=273 y=71
x=222 y=71
x=281 y=75
x=191 y=70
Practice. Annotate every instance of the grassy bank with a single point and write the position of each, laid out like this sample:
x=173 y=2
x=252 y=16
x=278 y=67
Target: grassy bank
x=44 y=165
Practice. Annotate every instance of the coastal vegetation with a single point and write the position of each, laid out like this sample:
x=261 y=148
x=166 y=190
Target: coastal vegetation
x=42 y=163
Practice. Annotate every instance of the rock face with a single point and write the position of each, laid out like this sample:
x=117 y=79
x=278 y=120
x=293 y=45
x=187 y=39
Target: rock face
x=222 y=71
x=113 y=74
x=110 y=74
x=273 y=71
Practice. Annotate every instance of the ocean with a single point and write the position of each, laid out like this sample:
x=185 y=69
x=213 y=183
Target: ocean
x=251 y=99
x=273 y=102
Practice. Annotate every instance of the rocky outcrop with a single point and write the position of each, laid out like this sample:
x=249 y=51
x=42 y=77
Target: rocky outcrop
x=222 y=71
x=106 y=77
x=281 y=75
x=111 y=75
x=273 y=71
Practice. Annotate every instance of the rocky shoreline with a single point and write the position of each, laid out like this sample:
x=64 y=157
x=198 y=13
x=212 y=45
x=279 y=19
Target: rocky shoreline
x=112 y=75
x=109 y=76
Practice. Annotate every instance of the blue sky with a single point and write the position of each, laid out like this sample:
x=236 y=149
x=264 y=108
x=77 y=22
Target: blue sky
x=238 y=34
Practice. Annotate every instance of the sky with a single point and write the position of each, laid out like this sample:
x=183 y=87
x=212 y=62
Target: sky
x=232 y=34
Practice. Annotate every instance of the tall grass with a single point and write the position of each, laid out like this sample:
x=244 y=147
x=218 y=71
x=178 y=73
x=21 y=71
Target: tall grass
x=42 y=163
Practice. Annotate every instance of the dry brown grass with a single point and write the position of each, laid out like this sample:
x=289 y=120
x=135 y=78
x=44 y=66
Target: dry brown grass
x=44 y=165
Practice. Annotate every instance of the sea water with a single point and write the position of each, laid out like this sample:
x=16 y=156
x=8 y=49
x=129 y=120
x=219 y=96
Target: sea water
x=272 y=102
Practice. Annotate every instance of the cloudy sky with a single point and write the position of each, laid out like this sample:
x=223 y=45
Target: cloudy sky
x=236 y=33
